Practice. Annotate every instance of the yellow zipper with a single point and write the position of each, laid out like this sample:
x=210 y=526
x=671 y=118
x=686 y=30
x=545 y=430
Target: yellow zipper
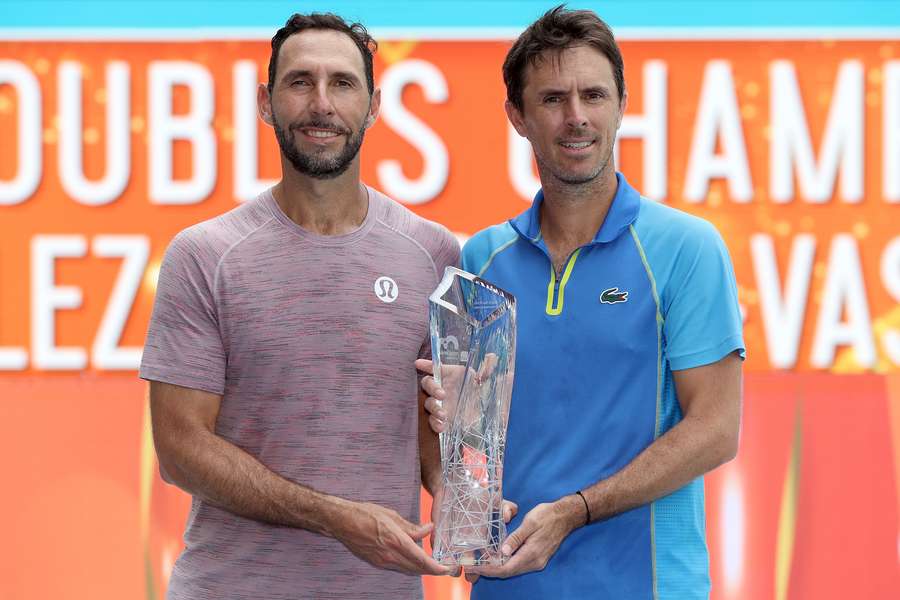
x=554 y=297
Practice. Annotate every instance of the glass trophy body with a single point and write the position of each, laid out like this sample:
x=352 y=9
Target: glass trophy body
x=473 y=343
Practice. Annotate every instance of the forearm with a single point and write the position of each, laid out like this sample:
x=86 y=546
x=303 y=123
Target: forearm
x=687 y=451
x=211 y=468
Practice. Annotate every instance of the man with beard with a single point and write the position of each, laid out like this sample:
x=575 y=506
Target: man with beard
x=628 y=362
x=280 y=355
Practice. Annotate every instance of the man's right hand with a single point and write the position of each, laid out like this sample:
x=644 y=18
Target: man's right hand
x=434 y=404
x=383 y=538
x=452 y=380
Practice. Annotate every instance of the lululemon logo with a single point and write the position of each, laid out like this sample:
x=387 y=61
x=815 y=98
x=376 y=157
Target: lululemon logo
x=386 y=289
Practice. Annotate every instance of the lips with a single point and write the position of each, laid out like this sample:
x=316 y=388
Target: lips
x=319 y=131
x=576 y=144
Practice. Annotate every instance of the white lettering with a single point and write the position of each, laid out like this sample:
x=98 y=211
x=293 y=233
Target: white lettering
x=718 y=114
x=135 y=250
x=247 y=184
x=47 y=298
x=195 y=126
x=28 y=176
x=842 y=142
x=844 y=288
x=118 y=134
x=651 y=127
x=890 y=168
x=434 y=153
x=783 y=313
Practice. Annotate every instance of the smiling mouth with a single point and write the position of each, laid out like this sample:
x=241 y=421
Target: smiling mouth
x=321 y=133
x=576 y=145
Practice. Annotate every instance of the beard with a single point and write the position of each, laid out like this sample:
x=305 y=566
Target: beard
x=575 y=178
x=316 y=165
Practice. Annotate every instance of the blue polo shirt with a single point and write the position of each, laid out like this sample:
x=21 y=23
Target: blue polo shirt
x=654 y=292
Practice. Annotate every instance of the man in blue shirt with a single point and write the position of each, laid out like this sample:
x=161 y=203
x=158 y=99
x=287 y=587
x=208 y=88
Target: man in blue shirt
x=628 y=364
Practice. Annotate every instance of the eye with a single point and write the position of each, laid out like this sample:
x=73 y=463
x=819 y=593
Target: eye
x=595 y=96
x=299 y=83
x=344 y=83
x=552 y=99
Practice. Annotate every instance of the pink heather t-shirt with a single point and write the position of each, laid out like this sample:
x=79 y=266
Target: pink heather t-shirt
x=310 y=341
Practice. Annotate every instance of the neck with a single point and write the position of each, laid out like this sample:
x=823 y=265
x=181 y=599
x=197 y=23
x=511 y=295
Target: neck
x=571 y=214
x=323 y=206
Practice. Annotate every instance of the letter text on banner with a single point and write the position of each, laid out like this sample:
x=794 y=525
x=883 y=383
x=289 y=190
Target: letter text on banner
x=408 y=126
x=29 y=135
x=118 y=134
x=196 y=126
x=651 y=129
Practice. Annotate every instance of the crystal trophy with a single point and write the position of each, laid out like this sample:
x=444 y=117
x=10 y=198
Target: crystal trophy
x=473 y=346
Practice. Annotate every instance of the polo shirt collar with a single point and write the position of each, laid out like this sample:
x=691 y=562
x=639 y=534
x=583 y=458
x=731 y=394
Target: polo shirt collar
x=622 y=213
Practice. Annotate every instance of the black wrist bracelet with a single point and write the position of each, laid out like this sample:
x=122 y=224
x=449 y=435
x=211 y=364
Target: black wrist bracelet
x=587 y=509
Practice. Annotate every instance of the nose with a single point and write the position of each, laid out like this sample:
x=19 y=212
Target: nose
x=575 y=115
x=320 y=103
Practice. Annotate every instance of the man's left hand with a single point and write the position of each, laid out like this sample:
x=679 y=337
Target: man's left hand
x=531 y=546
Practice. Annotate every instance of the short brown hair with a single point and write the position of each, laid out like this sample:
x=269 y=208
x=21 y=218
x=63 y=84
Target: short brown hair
x=355 y=31
x=558 y=29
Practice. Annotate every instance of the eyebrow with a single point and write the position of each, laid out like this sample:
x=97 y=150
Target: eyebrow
x=563 y=92
x=307 y=73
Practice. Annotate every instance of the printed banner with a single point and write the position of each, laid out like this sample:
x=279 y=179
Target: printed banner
x=790 y=147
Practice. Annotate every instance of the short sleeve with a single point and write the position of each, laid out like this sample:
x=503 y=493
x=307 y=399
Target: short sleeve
x=702 y=318
x=184 y=346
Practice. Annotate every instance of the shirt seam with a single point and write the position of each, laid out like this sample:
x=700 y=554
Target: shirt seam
x=494 y=254
x=415 y=243
x=225 y=254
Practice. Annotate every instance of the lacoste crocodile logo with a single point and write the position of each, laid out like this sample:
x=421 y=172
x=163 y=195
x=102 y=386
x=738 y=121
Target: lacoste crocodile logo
x=613 y=295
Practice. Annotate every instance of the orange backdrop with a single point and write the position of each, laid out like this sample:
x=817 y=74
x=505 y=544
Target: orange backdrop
x=808 y=509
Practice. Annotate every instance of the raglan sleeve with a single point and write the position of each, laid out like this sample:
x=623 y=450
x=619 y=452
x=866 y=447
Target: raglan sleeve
x=702 y=317
x=184 y=345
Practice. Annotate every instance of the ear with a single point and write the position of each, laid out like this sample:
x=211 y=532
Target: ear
x=374 y=108
x=264 y=104
x=515 y=117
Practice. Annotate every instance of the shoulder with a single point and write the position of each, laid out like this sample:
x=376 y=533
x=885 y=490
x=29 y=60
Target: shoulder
x=668 y=236
x=433 y=238
x=660 y=221
x=484 y=246
x=680 y=248
x=205 y=243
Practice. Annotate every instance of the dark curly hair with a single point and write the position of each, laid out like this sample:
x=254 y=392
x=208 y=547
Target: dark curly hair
x=355 y=31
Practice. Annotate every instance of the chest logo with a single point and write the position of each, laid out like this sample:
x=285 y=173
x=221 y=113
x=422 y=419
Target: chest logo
x=386 y=289
x=612 y=296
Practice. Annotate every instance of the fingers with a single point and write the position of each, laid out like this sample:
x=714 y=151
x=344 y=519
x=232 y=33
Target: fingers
x=432 y=389
x=420 y=561
x=509 y=510
x=471 y=577
x=420 y=532
x=436 y=425
x=516 y=565
x=437 y=416
x=425 y=365
x=413 y=557
x=517 y=537
x=433 y=407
